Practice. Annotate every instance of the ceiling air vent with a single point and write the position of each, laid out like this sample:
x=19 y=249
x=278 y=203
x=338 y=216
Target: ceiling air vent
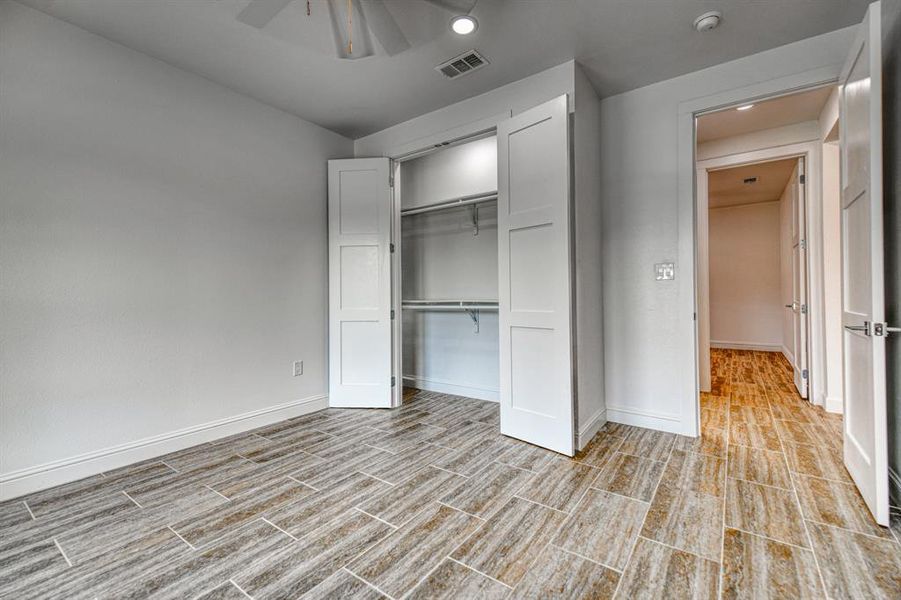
x=463 y=64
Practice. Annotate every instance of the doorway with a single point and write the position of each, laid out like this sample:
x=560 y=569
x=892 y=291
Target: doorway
x=761 y=163
x=857 y=101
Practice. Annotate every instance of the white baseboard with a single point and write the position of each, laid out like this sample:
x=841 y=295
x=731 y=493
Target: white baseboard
x=834 y=405
x=643 y=418
x=746 y=346
x=32 y=479
x=590 y=429
x=446 y=387
x=790 y=357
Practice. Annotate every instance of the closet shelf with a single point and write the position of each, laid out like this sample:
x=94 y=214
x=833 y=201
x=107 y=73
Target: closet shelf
x=454 y=203
x=450 y=304
x=470 y=307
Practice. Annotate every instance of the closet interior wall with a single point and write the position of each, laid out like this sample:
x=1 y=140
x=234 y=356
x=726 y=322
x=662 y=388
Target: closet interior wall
x=447 y=255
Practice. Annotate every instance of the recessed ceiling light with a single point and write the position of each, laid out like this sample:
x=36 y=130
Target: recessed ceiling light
x=745 y=107
x=464 y=24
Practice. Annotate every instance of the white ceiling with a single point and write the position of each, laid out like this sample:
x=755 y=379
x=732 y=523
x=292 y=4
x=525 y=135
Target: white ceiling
x=727 y=187
x=787 y=110
x=291 y=63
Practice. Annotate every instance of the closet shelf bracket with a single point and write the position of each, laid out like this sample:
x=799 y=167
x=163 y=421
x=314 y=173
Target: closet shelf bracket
x=474 y=315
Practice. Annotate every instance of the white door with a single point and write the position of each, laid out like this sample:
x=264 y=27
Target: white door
x=863 y=303
x=534 y=263
x=359 y=215
x=799 y=278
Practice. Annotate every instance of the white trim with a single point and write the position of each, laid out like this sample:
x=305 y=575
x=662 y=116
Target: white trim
x=32 y=479
x=591 y=428
x=425 y=144
x=894 y=487
x=834 y=404
x=446 y=387
x=645 y=418
x=686 y=326
x=789 y=355
x=746 y=346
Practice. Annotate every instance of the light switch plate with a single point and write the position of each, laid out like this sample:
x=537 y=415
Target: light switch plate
x=298 y=368
x=664 y=271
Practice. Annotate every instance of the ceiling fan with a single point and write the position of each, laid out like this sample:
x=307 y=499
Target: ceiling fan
x=372 y=15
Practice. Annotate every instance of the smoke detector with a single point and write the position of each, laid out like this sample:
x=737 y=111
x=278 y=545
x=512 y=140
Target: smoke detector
x=709 y=20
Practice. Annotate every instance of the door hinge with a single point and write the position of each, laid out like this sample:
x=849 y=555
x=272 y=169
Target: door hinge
x=804 y=374
x=803 y=309
x=392 y=314
x=803 y=244
x=390 y=180
x=393 y=381
x=391 y=248
x=803 y=179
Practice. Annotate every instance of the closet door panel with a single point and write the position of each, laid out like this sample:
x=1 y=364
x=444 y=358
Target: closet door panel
x=534 y=269
x=359 y=283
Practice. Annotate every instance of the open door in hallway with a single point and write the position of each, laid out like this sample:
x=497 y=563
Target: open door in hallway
x=799 y=305
x=863 y=302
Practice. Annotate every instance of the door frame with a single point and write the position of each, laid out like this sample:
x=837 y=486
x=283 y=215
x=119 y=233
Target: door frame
x=811 y=152
x=687 y=326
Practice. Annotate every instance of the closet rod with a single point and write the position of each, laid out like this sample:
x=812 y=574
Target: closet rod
x=444 y=204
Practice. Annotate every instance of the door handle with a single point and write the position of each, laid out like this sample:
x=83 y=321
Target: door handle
x=793 y=306
x=883 y=330
x=865 y=328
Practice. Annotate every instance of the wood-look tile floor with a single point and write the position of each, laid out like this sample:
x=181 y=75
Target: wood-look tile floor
x=430 y=501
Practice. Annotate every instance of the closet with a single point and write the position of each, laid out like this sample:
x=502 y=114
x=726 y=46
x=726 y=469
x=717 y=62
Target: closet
x=449 y=281
x=472 y=267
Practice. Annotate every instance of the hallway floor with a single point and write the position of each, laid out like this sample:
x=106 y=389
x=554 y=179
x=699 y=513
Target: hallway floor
x=430 y=501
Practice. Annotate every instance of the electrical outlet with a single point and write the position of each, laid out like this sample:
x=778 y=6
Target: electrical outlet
x=298 y=368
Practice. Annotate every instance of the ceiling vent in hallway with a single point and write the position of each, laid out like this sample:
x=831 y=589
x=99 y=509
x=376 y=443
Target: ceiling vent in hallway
x=463 y=64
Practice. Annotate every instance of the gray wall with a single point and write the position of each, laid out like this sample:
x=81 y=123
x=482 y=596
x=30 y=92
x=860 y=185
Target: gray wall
x=745 y=287
x=162 y=246
x=891 y=127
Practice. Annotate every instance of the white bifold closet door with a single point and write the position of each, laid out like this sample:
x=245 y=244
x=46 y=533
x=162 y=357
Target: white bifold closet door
x=863 y=300
x=360 y=353
x=534 y=269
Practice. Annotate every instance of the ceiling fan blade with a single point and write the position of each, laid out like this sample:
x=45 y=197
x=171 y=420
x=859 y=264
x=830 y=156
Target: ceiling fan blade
x=384 y=27
x=460 y=7
x=259 y=12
